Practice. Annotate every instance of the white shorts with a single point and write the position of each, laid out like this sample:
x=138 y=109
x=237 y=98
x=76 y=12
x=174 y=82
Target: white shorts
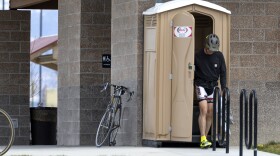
x=204 y=94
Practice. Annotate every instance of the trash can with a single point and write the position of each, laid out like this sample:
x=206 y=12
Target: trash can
x=43 y=125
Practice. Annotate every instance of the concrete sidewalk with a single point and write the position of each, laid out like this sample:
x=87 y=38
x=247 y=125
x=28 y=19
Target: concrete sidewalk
x=124 y=151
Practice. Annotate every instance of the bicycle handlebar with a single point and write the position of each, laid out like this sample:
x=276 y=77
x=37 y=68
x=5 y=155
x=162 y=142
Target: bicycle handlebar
x=116 y=88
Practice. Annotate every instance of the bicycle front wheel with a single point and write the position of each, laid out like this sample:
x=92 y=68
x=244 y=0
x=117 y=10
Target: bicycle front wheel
x=104 y=128
x=7 y=132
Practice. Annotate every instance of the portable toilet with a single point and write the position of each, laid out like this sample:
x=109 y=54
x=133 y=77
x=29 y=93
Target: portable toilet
x=173 y=32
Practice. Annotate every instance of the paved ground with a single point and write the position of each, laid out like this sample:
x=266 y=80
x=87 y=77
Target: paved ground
x=124 y=151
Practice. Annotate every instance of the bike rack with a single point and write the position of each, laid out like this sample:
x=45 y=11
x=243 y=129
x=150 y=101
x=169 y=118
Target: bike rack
x=248 y=139
x=223 y=117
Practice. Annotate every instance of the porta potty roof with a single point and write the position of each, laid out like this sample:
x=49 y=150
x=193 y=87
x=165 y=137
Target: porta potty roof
x=162 y=7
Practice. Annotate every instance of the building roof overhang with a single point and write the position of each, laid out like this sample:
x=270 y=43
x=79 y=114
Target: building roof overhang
x=33 y=4
x=42 y=45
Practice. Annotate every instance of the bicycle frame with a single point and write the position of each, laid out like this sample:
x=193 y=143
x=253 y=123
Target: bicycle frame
x=115 y=104
x=113 y=115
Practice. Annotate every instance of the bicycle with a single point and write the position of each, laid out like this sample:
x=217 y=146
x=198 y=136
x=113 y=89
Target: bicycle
x=111 y=120
x=7 y=132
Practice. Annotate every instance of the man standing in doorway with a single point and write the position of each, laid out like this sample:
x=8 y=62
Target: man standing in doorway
x=209 y=67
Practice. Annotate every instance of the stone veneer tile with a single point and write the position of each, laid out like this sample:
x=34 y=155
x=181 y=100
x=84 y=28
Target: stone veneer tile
x=252 y=84
x=4 y=57
x=251 y=61
x=19 y=57
x=20 y=36
x=265 y=22
x=5 y=15
x=9 y=25
x=93 y=6
x=242 y=21
x=23 y=110
x=101 y=18
x=93 y=55
x=19 y=100
x=252 y=8
x=5 y=36
x=9 y=67
x=20 y=16
x=265 y=48
x=10 y=47
x=24 y=46
x=262 y=74
x=234 y=35
x=24 y=67
x=22 y=141
x=278 y=22
x=272 y=35
x=4 y=100
x=252 y=35
x=273 y=9
x=241 y=48
x=234 y=61
x=272 y=61
x=25 y=25
x=89 y=67
x=95 y=42
x=91 y=79
x=94 y=30
x=86 y=139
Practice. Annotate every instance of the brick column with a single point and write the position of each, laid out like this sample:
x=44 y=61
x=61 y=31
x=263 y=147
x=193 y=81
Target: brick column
x=68 y=109
x=14 y=70
x=95 y=41
x=84 y=35
x=127 y=64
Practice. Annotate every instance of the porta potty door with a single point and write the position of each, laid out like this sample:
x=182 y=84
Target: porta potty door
x=182 y=76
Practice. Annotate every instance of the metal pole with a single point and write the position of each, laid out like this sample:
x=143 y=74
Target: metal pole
x=228 y=121
x=221 y=118
x=243 y=99
x=3 y=7
x=254 y=101
x=214 y=124
x=40 y=67
x=248 y=121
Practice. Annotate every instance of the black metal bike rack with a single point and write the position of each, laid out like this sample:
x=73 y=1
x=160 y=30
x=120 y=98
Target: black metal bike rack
x=223 y=117
x=248 y=111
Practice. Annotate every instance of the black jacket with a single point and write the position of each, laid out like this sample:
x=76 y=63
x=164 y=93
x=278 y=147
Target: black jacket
x=209 y=68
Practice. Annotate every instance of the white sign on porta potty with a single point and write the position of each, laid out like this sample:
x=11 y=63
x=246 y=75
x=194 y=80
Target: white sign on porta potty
x=182 y=31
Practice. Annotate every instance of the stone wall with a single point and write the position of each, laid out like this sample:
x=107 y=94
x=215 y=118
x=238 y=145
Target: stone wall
x=14 y=70
x=254 y=61
x=255 y=36
x=84 y=35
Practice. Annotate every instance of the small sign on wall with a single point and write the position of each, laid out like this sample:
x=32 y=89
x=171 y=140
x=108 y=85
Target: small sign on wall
x=106 y=61
x=182 y=31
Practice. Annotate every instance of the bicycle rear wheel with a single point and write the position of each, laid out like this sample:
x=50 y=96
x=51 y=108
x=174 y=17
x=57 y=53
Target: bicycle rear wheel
x=115 y=127
x=104 y=128
x=7 y=132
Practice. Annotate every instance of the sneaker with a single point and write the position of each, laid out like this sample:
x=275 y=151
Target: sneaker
x=205 y=144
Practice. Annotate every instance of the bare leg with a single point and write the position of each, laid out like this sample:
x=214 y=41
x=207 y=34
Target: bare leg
x=209 y=117
x=202 y=117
